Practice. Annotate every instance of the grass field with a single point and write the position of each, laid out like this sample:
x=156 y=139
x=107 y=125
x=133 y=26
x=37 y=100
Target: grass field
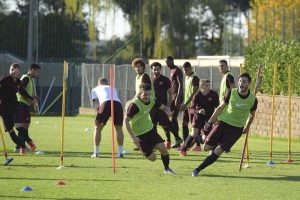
x=138 y=178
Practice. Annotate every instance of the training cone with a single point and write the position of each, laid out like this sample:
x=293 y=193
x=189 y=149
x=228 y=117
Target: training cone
x=26 y=188
x=7 y=161
x=60 y=183
x=270 y=163
x=39 y=153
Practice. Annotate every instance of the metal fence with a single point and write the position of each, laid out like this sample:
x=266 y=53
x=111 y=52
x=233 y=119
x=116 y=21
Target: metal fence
x=125 y=79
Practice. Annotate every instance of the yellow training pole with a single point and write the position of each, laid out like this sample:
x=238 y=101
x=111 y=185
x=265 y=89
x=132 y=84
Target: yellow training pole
x=7 y=159
x=247 y=148
x=290 y=116
x=65 y=76
x=270 y=162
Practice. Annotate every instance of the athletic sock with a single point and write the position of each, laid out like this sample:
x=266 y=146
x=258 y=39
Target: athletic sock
x=199 y=140
x=167 y=132
x=15 y=138
x=96 y=149
x=22 y=136
x=166 y=160
x=174 y=132
x=188 y=142
x=185 y=132
x=208 y=161
x=120 y=150
x=175 y=124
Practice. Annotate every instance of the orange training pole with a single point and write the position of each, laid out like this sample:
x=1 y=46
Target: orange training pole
x=112 y=116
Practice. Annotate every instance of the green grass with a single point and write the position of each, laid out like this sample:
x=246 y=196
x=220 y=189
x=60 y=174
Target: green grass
x=138 y=178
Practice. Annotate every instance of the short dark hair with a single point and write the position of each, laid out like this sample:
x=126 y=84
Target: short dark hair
x=169 y=58
x=15 y=65
x=145 y=86
x=187 y=65
x=246 y=75
x=34 y=66
x=137 y=61
x=155 y=64
x=102 y=81
x=223 y=61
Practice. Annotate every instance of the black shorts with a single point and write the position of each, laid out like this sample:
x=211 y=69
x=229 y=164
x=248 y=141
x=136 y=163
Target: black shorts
x=8 y=120
x=22 y=115
x=199 y=121
x=149 y=140
x=104 y=112
x=224 y=134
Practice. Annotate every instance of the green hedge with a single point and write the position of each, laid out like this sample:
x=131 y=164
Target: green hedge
x=271 y=51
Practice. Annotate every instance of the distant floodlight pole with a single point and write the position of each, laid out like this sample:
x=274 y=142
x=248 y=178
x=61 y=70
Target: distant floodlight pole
x=111 y=78
x=270 y=162
x=65 y=77
x=290 y=116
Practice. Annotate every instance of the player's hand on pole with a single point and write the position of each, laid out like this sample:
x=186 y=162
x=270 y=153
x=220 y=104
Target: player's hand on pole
x=246 y=131
x=201 y=111
x=207 y=126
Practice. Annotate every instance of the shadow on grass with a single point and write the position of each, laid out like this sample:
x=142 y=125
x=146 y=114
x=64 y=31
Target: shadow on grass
x=55 y=179
x=279 y=178
x=22 y=197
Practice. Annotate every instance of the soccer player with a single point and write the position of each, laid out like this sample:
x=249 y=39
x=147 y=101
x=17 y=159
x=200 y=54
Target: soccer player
x=235 y=115
x=203 y=105
x=141 y=129
x=141 y=76
x=191 y=87
x=102 y=93
x=162 y=88
x=176 y=78
x=227 y=81
x=10 y=84
x=22 y=119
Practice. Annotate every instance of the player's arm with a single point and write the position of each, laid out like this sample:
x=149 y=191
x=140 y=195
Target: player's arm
x=23 y=92
x=180 y=90
x=169 y=97
x=96 y=103
x=250 y=117
x=131 y=111
x=195 y=88
x=164 y=108
x=218 y=110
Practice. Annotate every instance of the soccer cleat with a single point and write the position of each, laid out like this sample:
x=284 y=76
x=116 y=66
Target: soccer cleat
x=32 y=146
x=95 y=155
x=197 y=148
x=169 y=171
x=182 y=154
x=168 y=144
x=195 y=173
x=180 y=148
x=177 y=143
x=120 y=155
x=22 y=151
x=16 y=150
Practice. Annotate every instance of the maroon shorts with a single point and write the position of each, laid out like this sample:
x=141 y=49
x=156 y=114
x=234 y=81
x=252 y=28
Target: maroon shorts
x=22 y=114
x=199 y=121
x=104 y=112
x=224 y=134
x=149 y=140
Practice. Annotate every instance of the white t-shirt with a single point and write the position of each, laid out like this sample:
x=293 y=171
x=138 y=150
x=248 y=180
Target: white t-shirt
x=102 y=93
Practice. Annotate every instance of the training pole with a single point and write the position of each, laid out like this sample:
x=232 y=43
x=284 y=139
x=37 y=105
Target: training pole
x=247 y=144
x=111 y=78
x=289 y=160
x=63 y=109
x=270 y=162
x=257 y=83
x=7 y=159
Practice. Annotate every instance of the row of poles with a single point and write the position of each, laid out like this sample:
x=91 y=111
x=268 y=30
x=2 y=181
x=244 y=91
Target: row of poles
x=270 y=162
